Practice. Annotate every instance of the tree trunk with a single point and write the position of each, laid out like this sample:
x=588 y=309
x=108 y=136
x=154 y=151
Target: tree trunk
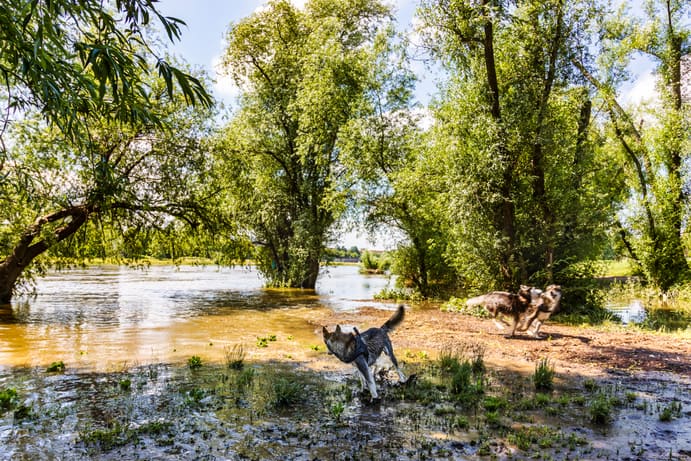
x=505 y=213
x=310 y=280
x=26 y=250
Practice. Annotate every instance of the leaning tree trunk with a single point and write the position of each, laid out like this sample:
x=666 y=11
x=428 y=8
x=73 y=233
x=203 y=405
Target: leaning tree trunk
x=31 y=245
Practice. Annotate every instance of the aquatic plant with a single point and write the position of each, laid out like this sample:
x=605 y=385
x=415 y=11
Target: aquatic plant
x=125 y=384
x=194 y=362
x=235 y=356
x=590 y=385
x=337 y=410
x=8 y=397
x=543 y=378
x=671 y=411
x=286 y=392
x=244 y=378
x=194 y=396
x=600 y=409
x=56 y=366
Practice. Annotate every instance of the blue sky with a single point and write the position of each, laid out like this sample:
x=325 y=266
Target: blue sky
x=202 y=45
x=207 y=22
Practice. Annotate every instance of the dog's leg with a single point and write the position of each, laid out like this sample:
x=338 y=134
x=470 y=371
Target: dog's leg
x=388 y=350
x=536 y=331
x=366 y=375
x=362 y=379
x=499 y=321
x=513 y=327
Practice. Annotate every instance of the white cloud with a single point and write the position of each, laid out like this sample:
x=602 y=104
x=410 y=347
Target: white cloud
x=643 y=90
x=224 y=85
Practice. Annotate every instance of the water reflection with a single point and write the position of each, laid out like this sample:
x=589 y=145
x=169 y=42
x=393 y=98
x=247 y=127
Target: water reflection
x=652 y=317
x=103 y=315
x=634 y=312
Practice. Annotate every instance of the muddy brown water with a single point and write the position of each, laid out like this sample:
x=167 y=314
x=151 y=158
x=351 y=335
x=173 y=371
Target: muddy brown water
x=97 y=318
x=114 y=325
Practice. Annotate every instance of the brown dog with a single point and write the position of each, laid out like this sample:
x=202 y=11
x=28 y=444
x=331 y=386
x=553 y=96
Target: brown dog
x=503 y=303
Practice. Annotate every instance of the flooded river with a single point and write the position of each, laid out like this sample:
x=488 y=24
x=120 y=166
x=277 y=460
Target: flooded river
x=149 y=372
x=99 y=317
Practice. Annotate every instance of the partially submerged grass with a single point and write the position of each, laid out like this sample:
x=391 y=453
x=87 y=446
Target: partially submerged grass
x=543 y=378
x=8 y=398
x=234 y=356
x=455 y=405
x=56 y=367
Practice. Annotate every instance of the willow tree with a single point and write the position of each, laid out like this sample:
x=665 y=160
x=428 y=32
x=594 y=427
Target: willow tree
x=82 y=93
x=654 y=141
x=304 y=74
x=527 y=192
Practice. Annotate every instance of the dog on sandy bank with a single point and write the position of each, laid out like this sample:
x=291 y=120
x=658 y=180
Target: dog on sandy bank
x=501 y=304
x=363 y=349
x=527 y=307
x=542 y=306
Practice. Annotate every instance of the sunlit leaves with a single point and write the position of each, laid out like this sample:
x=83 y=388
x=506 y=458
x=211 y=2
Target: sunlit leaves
x=67 y=58
x=304 y=75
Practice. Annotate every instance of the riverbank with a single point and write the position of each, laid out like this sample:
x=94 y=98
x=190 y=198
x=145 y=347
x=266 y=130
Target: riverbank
x=616 y=394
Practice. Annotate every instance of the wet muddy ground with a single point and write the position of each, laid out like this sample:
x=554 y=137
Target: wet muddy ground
x=270 y=393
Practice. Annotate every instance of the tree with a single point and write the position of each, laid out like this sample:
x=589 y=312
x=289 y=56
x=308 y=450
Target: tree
x=656 y=149
x=528 y=194
x=304 y=75
x=88 y=58
x=395 y=188
x=89 y=118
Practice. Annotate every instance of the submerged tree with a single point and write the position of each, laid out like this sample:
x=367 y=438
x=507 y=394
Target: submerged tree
x=305 y=74
x=83 y=112
x=527 y=192
x=656 y=149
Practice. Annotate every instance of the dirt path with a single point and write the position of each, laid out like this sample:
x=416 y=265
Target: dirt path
x=578 y=350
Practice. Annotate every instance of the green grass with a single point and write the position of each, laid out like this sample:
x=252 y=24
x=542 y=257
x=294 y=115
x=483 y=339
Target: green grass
x=618 y=268
x=8 y=397
x=543 y=378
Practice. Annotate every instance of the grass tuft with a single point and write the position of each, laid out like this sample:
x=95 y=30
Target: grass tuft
x=543 y=378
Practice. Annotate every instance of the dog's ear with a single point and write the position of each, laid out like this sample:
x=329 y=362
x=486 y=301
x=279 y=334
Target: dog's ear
x=338 y=329
x=356 y=333
x=325 y=332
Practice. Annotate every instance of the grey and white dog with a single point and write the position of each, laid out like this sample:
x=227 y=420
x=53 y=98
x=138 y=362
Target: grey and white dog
x=363 y=349
x=543 y=304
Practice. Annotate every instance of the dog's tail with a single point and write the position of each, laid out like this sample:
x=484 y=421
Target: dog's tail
x=476 y=301
x=395 y=319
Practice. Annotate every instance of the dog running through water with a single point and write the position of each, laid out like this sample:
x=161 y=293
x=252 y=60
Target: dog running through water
x=363 y=349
